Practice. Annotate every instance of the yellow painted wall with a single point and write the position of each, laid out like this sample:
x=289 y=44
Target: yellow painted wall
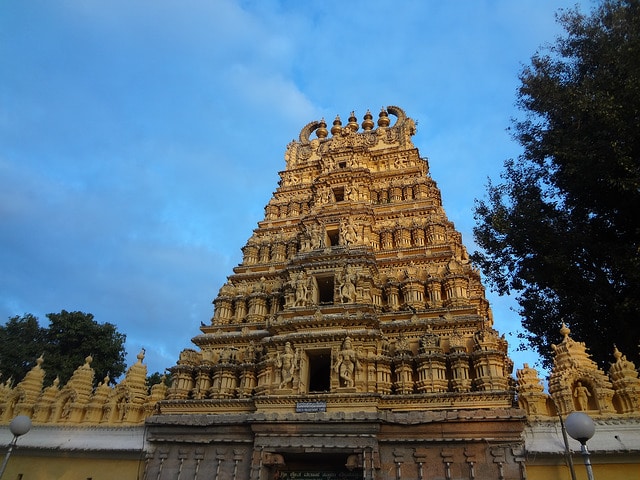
x=72 y=468
x=609 y=471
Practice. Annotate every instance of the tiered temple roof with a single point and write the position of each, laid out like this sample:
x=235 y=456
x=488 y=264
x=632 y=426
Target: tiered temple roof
x=354 y=286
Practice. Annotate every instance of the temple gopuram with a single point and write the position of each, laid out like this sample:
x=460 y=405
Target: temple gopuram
x=353 y=341
x=354 y=338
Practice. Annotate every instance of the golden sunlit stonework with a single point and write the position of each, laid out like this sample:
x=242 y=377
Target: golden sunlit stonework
x=353 y=341
x=78 y=402
x=356 y=284
x=355 y=335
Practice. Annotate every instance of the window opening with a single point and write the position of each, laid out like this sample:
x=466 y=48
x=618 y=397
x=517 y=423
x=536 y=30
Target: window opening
x=333 y=233
x=325 y=290
x=338 y=194
x=319 y=370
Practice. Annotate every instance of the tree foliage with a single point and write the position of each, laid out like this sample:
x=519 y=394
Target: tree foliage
x=21 y=341
x=65 y=343
x=562 y=227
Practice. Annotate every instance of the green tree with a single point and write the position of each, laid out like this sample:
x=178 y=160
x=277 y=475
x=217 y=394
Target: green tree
x=562 y=229
x=65 y=343
x=72 y=336
x=21 y=343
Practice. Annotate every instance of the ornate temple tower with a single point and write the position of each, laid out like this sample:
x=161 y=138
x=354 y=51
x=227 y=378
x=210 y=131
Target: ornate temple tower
x=353 y=340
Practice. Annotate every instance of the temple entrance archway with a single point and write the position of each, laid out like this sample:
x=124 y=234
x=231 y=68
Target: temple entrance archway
x=317 y=466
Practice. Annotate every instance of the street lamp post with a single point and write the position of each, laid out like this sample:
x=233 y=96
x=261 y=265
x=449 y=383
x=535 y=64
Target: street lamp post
x=580 y=427
x=18 y=426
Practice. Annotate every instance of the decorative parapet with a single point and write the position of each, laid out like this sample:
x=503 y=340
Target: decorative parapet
x=577 y=384
x=78 y=402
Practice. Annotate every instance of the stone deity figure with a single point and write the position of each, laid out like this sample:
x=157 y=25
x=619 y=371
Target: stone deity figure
x=347 y=363
x=326 y=195
x=301 y=290
x=250 y=352
x=315 y=237
x=347 y=286
x=287 y=362
x=348 y=233
x=351 y=193
x=581 y=393
x=66 y=408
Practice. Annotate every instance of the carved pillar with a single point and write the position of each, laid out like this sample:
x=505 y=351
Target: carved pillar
x=223 y=310
x=403 y=369
x=376 y=296
x=489 y=371
x=202 y=381
x=266 y=375
x=240 y=309
x=383 y=372
x=271 y=212
x=456 y=291
x=402 y=237
x=435 y=234
x=371 y=376
x=417 y=235
x=393 y=298
x=274 y=303
x=225 y=381
x=420 y=191
x=304 y=207
x=265 y=253
x=432 y=373
x=460 y=381
x=434 y=289
x=279 y=252
x=395 y=194
x=386 y=240
x=250 y=254
x=182 y=382
x=374 y=240
x=247 y=380
x=413 y=292
x=257 y=307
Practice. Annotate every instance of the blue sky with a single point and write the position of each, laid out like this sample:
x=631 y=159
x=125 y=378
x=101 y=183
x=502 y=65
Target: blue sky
x=141 y=140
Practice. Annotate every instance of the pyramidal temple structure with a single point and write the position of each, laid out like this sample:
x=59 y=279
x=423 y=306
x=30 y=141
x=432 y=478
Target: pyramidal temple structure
x=353 y=341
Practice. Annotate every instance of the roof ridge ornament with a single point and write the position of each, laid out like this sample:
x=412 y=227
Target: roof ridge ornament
x=319 y=126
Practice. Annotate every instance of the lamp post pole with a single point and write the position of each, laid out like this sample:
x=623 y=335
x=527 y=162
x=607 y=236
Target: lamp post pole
x=587 y=459
x=567 y=453
x=580 y=427
x=18 y=426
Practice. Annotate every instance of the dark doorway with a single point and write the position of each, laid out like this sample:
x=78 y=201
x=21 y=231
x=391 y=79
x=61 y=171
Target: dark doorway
x=333 y=234
x=319 y=370
x=325 y=290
